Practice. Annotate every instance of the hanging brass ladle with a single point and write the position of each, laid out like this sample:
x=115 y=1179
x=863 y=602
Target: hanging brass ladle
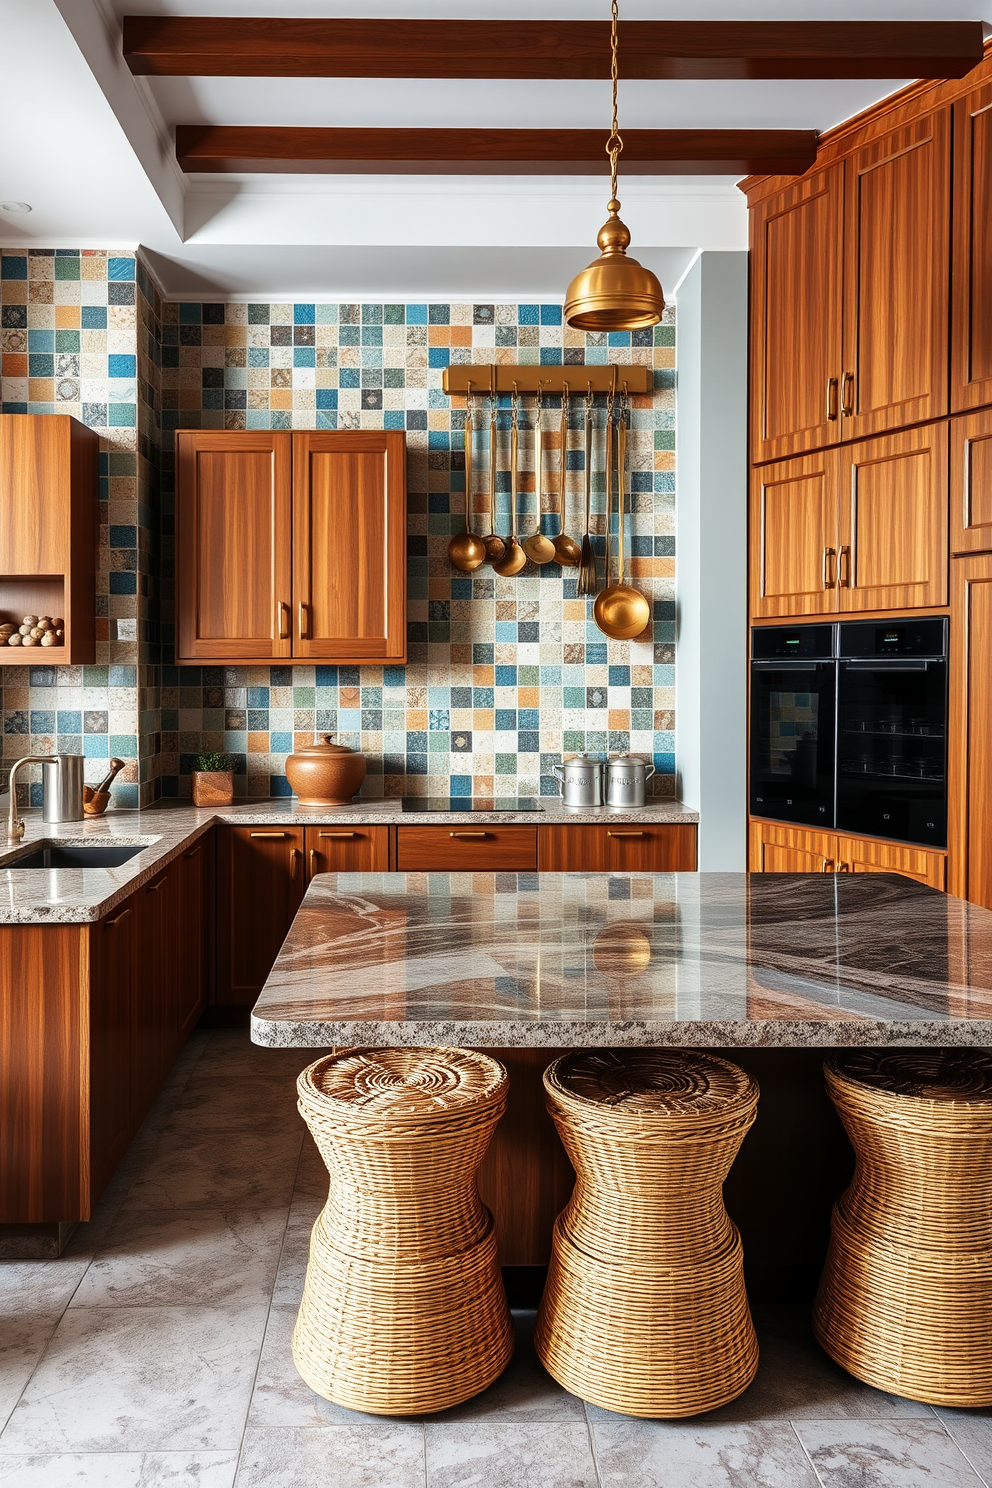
x=567 y=550
x=514 y=557
x=539 y=549
x=465 y=550
x=495 y=546
x=620 y=611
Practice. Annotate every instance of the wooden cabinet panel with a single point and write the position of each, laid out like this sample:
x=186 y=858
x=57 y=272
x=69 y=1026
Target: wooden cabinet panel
x=347 y=850
x=233 y=546
x=896 y=279
x=260 y=883
x=627 y=847
x=971 y=483
x=970 y=730
x=794 y=536
x=796 y=255
x=859 y=855
x=349 y=545
x=470 y=849
x=781 y=849
x=971 y=281
x=196 y=882
x=112 y=984
x=893 y=532
x=154 y=1008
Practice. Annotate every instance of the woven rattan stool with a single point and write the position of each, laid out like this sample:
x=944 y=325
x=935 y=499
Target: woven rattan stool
x=905 y=1302
x=403 y=1309
x=644 y=1310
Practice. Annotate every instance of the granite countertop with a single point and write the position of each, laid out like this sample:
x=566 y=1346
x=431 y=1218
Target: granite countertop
x=565 y=960
x=67 y=896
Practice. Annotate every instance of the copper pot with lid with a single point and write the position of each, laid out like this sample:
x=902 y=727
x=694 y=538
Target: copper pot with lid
x=325 y=773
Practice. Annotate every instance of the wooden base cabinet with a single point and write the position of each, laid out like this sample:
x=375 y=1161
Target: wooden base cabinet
x=970 y=729
x=624 y=848
x=777 y=848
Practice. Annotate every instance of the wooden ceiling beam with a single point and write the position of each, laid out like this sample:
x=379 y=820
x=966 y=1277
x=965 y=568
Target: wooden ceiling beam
x=212 y=46
x=576 y=152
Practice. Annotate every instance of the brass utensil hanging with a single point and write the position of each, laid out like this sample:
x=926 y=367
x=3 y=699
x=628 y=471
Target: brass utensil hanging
x=465 y=550
x=567 y=550
x=587 y=581
x=539 y=549
x=620 y=611
x=514 y=557
x=495 y=546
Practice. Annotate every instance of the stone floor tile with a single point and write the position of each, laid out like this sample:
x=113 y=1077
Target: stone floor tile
x=23 y=1339
x=972 y=1431
x=230 y=1055
x=290 y=1276
x=209 y=1104
x=214 y=1258
x=311 y=1179
x=386 y=1455
x=120 y=1470
x=465 y=1454
x=210 y=1170
x=524 y=1391
x=885 y=1454
x=140 y=1379
x=692 y=1454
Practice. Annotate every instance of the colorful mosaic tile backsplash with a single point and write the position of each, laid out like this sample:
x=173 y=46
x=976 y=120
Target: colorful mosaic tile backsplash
x=504 y=675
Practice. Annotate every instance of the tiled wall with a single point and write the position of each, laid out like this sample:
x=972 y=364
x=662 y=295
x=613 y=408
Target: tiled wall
x=504 y=675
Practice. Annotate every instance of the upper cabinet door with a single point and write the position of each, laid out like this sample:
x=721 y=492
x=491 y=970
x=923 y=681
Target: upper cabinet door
x=349 y=546
x=971 y=482
x=233 y=546
x=796 y=255
x=971 y=283
x=896 y=275
x=893 y=552
x=794 y=542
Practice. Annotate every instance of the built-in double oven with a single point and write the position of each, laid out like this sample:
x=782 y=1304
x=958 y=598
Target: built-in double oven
x=849 y=727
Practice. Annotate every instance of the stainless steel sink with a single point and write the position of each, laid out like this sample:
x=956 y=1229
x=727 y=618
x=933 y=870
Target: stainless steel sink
x=58 y=855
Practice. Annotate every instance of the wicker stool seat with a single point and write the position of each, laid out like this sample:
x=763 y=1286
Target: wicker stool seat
x=905 y=1302
x=403 y=1308
x=645 y=1310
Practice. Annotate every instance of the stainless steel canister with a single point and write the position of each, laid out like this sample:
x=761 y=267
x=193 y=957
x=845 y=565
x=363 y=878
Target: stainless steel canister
x=626 y=780
x=581 y=781
x=63 y=787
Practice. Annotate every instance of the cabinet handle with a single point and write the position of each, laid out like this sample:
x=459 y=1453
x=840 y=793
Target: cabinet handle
x=277 y=836
x=314 y=858
x=193 y=851
x=304 y=620
x=154 y=888
x=108 y=924
x=844 y=868
x=337 y=836
x=845 y=568
x=625 y=834
x=847 y=395
x=827 y=866
x=831 y=398
x=829 y=577
x=294 y=861
x=468 y=834
x=282 y=619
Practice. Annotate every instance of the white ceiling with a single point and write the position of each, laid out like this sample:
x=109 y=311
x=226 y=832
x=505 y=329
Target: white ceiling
x=96 y=160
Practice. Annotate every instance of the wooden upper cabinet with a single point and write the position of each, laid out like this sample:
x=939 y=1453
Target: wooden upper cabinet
x=796 y=259
x=794 y=536
x=971 y=281
x=349 y=545
x=893 y=527
x=971 y=482
x=896 y=279
x=233 y=546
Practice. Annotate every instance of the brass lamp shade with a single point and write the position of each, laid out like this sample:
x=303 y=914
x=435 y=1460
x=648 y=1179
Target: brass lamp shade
x=615 y=293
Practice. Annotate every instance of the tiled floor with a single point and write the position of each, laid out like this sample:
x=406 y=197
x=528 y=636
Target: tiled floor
x=155 y=1353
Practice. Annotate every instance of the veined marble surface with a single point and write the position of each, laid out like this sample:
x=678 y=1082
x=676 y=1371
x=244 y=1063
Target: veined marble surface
x=72 y=896
x=563 y=960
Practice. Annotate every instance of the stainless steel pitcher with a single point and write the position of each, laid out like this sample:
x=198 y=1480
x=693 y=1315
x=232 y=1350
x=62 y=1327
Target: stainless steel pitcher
x=62 y=776
x=626 y=780
x=581 y=781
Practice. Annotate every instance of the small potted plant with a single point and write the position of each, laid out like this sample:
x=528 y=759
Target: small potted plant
x=213 y=779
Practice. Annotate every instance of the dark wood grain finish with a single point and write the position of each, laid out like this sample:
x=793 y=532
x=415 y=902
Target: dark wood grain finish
x=228 y=148
x=259 y=888
x=794 y=535
x=195 y=869
x=482 y=849
x=349 y=546
x=971 y=482
x=44 y=1148
x=113 y=979
x=627 y=847
x=214 y=46
x=775 y=847
x=342 y=849
x=970 y=730
x=971 y=280
x=864 y=855
x=233 y=546
x=154 y=1004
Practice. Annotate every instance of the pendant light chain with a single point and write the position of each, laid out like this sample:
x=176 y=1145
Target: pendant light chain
x=614 y=144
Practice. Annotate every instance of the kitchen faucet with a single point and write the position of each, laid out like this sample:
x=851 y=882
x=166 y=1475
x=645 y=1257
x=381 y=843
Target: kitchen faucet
x=15 y=824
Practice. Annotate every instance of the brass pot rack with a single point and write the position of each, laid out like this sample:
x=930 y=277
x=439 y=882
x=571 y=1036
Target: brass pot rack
x=500 y=377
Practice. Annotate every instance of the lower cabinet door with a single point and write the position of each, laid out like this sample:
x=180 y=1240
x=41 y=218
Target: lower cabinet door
x=154 y=1017
x=112 y=979
x=859 y=855
x=347 y=850
x=466 y=849
x=192 y=983
x=260 y=883
x=624 y=848
x=781 y=849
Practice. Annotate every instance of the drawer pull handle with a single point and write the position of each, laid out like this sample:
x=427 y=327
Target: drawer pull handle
x=465 y=835
x=108 y=924
x=827 y=865
x=275 y=836
x=154 y=888
x=194 y=850
x=625 y=834
x=338 y=836
x=314 y=861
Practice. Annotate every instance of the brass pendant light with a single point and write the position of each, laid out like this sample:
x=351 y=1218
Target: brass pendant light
x=615 y=293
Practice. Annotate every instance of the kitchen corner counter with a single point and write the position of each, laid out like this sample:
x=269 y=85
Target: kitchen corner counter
x=72 y=896
x=600 y=960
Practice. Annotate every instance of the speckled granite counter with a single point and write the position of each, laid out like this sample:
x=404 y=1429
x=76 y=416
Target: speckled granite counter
x=721 y=960
x=66 y=896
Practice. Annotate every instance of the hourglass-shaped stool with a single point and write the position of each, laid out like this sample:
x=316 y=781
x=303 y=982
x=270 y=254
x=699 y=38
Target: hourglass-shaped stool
x=403 y=1308
x=645 y=1310
x=905 y=1302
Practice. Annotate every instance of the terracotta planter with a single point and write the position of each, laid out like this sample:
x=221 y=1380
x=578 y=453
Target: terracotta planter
x=213 y=787
x=325 y=774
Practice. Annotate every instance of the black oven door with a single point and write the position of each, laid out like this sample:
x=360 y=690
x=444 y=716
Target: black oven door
x=793 y=711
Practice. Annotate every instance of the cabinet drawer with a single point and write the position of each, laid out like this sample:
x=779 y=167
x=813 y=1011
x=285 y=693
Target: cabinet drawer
x=347 y=849
x=627 y=847
x=474 y=849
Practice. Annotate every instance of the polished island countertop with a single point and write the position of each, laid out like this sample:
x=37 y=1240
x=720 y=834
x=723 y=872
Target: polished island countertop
x=562 y=960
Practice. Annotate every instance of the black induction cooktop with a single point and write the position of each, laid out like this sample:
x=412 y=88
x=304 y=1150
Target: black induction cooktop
x=470 y=803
